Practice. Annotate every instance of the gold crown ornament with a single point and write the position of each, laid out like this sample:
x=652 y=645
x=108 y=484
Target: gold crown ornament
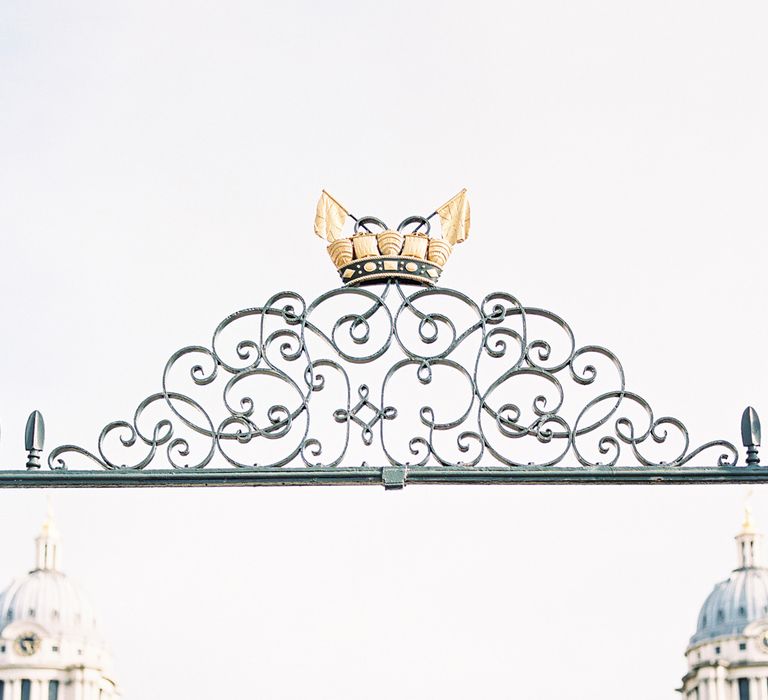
x=375 y=252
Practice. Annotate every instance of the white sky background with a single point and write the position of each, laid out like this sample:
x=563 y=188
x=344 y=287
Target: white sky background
x=159 y=167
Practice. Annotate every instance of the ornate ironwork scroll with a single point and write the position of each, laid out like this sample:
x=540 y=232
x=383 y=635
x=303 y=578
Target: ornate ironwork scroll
x=423 y=379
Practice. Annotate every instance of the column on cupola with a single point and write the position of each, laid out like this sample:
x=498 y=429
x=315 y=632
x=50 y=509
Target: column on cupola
x=762 y=689
x=77 y=686
x=712 y=687
x=722 y=693
x=749 y=543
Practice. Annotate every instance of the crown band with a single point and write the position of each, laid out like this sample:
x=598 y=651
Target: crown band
x=382 y=267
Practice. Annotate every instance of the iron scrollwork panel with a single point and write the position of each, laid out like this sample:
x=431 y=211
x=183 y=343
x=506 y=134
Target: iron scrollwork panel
x=389 y=375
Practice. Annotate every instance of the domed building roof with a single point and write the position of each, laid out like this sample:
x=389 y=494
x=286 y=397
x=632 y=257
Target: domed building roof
x=50 y=642
x=47 y=597
x=742 y=598
x=50 y=599
x=733 y=604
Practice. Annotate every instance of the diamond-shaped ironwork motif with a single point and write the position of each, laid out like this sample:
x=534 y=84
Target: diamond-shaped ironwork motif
x=342 y=415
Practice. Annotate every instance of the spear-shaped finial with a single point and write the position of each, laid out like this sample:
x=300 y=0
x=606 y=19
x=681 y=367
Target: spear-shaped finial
x=34 y=439
x=750 y=434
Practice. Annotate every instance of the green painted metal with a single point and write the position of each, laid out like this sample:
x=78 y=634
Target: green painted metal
x=389 y=477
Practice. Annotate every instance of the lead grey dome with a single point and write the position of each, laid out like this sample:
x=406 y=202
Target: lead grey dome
x=733 y=604
x=50 y=599
x=742 y=598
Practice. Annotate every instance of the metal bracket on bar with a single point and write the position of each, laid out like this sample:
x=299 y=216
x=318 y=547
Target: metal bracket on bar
x=394 y=477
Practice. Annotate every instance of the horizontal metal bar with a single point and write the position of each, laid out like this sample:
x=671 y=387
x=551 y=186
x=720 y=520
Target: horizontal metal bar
x=182 y=477
x=594 y=476
x=365 y=476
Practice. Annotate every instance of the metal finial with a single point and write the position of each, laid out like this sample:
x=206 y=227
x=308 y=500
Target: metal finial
x=34 y=439
x=750 y=434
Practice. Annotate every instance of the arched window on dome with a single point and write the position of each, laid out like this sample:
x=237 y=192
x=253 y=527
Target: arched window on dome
x=53 y=690
x=26 y=688
x=2 y=690
x=720 y=616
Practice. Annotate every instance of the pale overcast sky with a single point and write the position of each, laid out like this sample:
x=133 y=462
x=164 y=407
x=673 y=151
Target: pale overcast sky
x=159 y=167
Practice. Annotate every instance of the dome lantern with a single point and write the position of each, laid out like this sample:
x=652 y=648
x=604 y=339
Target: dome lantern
x=749 y=543
x=48 y=545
